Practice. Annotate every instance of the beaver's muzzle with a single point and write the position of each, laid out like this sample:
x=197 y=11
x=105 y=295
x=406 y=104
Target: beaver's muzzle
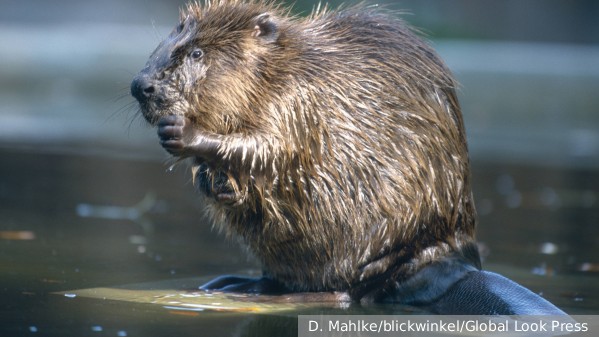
x=143 y=88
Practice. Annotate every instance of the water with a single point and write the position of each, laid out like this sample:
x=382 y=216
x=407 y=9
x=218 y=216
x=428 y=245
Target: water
x=538 y=227
x=87 y=200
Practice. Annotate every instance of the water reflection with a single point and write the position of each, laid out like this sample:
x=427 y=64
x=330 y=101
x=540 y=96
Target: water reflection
x=545 y=245
x=137 y=213
x=17 y=235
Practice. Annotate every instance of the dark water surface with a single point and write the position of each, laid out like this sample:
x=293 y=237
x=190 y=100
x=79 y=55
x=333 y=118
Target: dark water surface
x=71 y=221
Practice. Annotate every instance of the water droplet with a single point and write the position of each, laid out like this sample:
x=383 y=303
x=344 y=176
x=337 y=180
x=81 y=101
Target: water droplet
x=84 y=210
x=548 y=248
x=589 y=267
x=33 y=328
x=70 y=295
x=121 y=333
x=97 y=328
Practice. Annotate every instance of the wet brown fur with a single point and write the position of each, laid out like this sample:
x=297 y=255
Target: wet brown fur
x=340 y=133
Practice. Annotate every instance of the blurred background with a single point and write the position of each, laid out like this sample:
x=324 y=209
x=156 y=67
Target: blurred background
x=87 y=200
x=528 y=71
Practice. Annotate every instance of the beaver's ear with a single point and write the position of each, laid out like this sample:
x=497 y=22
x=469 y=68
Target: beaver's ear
x=265 y=28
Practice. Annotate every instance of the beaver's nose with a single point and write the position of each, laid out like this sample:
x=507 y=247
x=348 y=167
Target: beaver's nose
x=142 y=88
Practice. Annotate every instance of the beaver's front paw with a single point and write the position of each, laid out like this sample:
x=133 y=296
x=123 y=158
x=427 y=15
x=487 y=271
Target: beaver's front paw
x=218 y=185
x=171 y=131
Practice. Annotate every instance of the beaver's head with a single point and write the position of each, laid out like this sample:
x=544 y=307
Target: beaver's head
x=211 y=68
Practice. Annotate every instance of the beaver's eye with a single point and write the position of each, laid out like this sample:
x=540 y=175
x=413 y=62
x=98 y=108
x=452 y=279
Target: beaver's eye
x=196 y=54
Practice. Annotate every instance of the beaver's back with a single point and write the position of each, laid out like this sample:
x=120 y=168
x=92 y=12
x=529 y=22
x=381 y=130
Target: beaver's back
x=380 y=181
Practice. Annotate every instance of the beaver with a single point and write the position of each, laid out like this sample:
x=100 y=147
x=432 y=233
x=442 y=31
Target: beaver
x=333 y=145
